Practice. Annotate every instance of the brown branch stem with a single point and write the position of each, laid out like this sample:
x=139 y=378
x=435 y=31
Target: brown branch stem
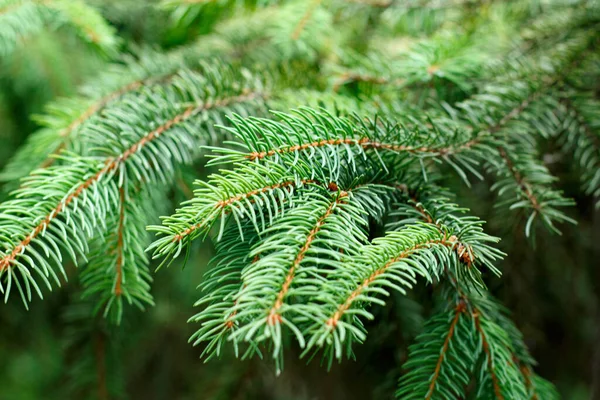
x=274 y=316
x=119 y=248
x=224 y=203
x=460 y=308
x=337 y=315
x=486 y=349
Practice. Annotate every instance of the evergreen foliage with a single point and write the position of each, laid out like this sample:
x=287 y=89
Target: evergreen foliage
x=22 y=18
x=329 y=143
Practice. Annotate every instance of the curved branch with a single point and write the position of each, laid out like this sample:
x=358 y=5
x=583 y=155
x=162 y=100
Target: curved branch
x=342 y=308
x=111 y=164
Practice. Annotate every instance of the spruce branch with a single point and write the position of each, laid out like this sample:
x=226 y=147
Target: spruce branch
x=118 y=270
x=323 y=231
x=442 y=63
x=391 y=262
x=305 y=18
x=146 y=154
x=22 y=18
x=325 y=228
x=486 y=335
x=433 y=205
x=429 y=204
x=536 y=387
x=501 y=380
x=318 y=136
x=579 y=136
x=512 y=115
x=65 y=118
x=275 y=154
x=184 y=12
x=45 y=215
x=441 y=360
x=222 y=284
x=234 y=192
x=267 y=36
x=299 y=205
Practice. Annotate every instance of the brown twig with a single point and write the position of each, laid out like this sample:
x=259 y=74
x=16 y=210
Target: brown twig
x=274 y=316
x=337 y=315
x=521 y=181
x=460 y=308
x=224 y=203
x=119 y=248
x=486 y=349
x=365 y=143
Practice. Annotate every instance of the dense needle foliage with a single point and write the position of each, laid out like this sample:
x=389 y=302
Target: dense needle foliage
x=312 y=165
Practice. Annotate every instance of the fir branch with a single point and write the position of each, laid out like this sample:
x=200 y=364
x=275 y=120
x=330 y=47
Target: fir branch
x=513 y=110
x=23 y=18
x=322 y=242
x=88 y=24
x=441 y=360
x=42 y=208
x=323 y=231
x=444 y=65
x=438 y=365
x=312 y=135
x=522 y=184
x=364 y=286
x=252 y=178
x=93 y=109
x=535 y=386
x=17 y=250
x=391 y=262
x=488 y=334
x=304 y=193
x=501 y=379
x=490 y=363
x=93 y=351
x=133 y=155
x=242 y=197
x=267 y=36
x=18 y=19
x=118 y=291
x=65 y=118
x=542 y=389
x=581 y=138
x=220 y=287
x=118 y=270
x=433 y=205
x=234 y=192
x=430 y=204
x=274 y=316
